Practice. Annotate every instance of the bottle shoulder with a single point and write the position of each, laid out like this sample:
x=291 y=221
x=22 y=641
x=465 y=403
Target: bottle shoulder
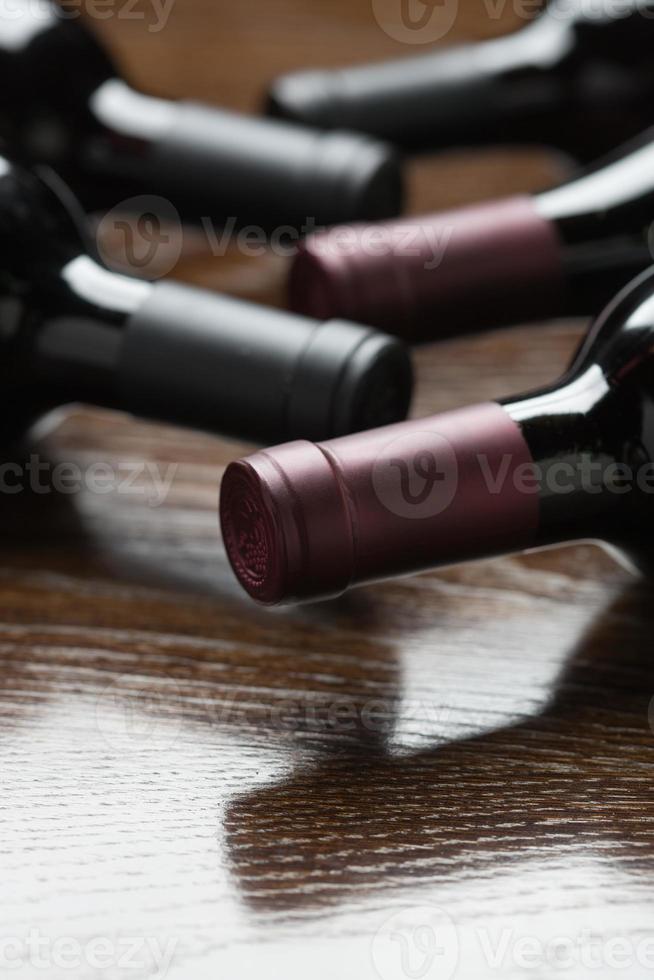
x=621 y=340
x=42 y=224
x=41 y=46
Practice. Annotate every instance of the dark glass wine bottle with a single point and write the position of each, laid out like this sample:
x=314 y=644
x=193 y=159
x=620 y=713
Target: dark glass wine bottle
x=73 y=331
x=577 y=78
x=563 y=252
x=62 y=102
x=572 y=461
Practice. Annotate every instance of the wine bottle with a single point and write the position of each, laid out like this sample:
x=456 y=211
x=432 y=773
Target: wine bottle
x=74 y=331
x=62 y=102
x=576 y=78
x=572 y=461
x=563 y=252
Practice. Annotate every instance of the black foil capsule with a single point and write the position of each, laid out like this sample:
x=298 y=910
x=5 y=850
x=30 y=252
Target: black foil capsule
x=579 y=78
x=73 y=331
x=63 y=102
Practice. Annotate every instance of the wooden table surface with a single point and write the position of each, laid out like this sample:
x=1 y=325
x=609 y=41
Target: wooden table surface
x=448 y=775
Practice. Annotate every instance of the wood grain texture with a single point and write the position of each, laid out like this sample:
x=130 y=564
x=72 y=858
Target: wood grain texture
x=292 y=794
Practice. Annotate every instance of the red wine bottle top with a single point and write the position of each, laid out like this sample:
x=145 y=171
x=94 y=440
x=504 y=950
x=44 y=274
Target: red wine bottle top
x=423 y=277
x=305 y=520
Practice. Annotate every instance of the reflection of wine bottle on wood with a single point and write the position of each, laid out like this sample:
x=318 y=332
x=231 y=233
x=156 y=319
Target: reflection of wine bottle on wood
x=62 y=102
x=71 y=330
x=573 y=461
x=574 y=79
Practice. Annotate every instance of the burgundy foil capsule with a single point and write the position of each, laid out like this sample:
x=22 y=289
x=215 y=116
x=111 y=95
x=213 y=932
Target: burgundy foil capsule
x=426 y=277
x=306 y=521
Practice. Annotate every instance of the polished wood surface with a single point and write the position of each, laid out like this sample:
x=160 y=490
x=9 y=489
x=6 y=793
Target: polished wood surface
x=448 y=775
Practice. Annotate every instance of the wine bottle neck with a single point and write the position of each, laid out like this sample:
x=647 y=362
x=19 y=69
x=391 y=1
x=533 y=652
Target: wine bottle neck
x=614 y=199
x=575 y=436
x=127 y=114
x=41 y=46
x=103 y=142
x=575 y=77
x=83 y=312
